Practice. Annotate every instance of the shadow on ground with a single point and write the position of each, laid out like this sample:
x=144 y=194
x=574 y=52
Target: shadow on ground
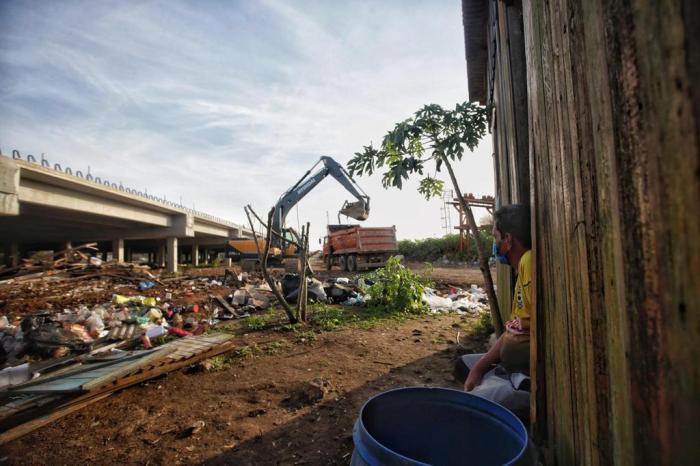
x=323 y=435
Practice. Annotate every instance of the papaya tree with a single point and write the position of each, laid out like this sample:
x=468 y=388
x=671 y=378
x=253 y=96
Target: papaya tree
x=433 y=139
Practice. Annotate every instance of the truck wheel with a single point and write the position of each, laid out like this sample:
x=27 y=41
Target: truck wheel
x=343 y=263
x=352 y=263
x=329 y=263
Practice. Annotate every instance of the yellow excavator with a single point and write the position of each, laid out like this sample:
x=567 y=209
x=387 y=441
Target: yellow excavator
x=245 y=250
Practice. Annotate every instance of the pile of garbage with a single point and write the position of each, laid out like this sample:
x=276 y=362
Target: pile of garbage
x=332 y=291
x=342 y=290
x=130 y=321
x=470 y=301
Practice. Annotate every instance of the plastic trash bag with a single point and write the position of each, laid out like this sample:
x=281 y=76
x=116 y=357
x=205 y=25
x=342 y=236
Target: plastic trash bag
x=94 y=325
x=435 y=302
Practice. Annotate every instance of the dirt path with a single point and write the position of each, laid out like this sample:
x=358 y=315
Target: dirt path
x=254 y=409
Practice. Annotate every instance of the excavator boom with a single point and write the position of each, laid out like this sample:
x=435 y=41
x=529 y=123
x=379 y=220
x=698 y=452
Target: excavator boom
x=358 y=210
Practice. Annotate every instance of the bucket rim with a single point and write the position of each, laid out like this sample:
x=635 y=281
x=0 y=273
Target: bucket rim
x=503 y=414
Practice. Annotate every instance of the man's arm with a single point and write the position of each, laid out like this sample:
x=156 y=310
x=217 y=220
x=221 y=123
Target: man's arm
x=483 y=366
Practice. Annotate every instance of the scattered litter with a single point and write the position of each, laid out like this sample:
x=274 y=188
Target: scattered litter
x=192 y=429
x=472 y=301
x=436 y=302
x=240 y=297
x=290 y=288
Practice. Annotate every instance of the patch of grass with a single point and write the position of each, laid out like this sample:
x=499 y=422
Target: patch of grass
x=246 y=352
x=290 y=327
x=483 y=324
x=274 y=347
x=257 y=322
x=219 y=363
x=305 y=337
x=327 y=317
x=214 y=329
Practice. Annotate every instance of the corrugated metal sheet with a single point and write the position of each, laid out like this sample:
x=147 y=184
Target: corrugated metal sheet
x=86 y=377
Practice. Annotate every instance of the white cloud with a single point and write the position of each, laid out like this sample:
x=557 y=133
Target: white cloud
x=224 y=104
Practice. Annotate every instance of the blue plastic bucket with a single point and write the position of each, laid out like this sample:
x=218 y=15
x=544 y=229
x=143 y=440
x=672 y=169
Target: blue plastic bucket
x=436 y=426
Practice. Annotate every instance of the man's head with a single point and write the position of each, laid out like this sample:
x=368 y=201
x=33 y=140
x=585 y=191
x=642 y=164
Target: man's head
x=511 y=231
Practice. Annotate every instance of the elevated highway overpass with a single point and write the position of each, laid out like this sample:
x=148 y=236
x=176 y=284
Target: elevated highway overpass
x=44 y=207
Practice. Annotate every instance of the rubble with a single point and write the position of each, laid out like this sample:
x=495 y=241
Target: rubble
x=36 y=325
x=74 y=264
x=50 y=327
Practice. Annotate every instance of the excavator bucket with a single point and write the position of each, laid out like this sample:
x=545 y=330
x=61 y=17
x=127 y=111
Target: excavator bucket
x=358 y=210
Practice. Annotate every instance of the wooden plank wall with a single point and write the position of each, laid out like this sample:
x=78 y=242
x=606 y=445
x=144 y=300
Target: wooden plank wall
x=615 y=178
x=507 y=88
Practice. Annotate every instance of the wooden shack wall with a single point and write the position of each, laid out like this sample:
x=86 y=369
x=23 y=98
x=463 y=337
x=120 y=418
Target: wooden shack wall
x=507 y=91
x=613 y=102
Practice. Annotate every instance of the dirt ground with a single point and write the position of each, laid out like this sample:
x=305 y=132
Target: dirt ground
x=284 y=397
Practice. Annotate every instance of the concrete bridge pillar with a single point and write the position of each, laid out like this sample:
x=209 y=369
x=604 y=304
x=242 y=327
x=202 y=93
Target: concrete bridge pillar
x=12 y=254
x=195 y=253
x=160 y=255
x=118 y=250
x=172 y=255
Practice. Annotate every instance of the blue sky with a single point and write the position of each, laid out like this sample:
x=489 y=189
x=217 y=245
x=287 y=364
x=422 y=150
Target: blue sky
x=224 y=103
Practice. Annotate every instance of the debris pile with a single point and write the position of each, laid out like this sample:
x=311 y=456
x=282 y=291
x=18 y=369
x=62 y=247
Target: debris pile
x=58 y=358
x=73 y=263
x=182 y=307
x=470 y=301
x=65 y=385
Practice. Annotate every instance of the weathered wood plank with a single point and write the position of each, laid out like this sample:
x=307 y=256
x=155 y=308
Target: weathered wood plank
x=615 y=179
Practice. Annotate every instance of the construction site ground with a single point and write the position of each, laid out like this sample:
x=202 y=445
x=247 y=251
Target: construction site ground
x=286 y=395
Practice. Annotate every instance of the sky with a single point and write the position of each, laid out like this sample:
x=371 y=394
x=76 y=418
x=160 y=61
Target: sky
x=219 y=104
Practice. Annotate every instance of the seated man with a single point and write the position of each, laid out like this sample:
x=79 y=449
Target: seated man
x=501 y=375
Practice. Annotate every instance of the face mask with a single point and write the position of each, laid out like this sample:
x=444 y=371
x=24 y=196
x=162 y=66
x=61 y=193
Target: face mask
x=501 y=259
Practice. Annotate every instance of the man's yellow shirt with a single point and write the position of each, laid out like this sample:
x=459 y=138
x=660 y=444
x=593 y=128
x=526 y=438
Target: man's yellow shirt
x=522 y=299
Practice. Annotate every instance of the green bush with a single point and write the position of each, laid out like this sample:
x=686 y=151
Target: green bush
x=433 y=249
x=397 y=289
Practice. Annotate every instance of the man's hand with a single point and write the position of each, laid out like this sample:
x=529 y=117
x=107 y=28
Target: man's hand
x=473 y=379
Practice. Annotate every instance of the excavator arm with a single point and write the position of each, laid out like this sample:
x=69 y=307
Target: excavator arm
x=358 y=210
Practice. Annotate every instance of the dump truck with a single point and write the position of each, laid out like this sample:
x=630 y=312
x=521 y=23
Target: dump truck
x=353 y=248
